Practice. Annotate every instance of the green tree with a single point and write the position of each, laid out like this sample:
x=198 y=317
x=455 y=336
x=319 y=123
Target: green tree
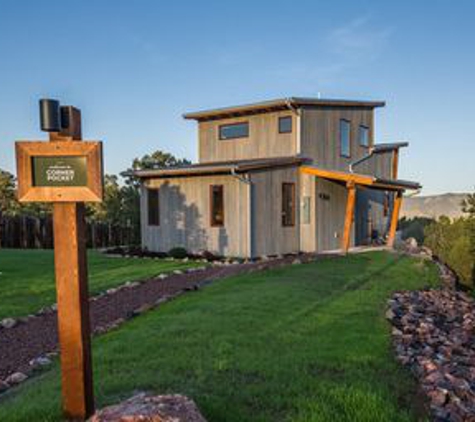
x=468 y=205
x=131 y=189
x=8 y=202
x=110 y=210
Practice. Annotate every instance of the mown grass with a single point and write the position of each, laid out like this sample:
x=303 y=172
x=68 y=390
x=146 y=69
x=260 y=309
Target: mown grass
x=303 y=343
x=27 y=277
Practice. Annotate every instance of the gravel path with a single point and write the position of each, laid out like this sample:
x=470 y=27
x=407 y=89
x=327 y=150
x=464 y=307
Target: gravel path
x=38 y=336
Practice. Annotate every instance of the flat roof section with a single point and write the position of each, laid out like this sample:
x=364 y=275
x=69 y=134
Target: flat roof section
x=289 y=103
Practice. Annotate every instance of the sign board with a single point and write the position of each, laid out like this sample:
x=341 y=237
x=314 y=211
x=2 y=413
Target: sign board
x=59 y=171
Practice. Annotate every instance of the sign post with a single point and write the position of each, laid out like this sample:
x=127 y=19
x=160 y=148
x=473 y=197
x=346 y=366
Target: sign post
x=67 y=172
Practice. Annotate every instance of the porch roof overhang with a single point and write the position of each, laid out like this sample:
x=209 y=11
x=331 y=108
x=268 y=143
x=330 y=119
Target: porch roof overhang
x=361 y=179
x=220 y=168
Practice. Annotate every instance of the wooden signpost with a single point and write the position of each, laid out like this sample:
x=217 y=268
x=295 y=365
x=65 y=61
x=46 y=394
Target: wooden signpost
x=67 y=172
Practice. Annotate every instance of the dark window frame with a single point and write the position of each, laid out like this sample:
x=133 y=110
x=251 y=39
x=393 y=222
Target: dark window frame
x=360 y=127
x=286 y=220
x=212 y=214
x=153 y=213
x=341 y=139
x=291 y=124
x=220 y=127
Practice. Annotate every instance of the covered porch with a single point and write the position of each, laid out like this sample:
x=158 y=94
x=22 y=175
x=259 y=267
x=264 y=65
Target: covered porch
x=353 y=181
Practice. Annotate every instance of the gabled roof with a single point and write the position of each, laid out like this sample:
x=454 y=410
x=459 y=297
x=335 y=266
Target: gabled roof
x=223 y=167
x=276 y=105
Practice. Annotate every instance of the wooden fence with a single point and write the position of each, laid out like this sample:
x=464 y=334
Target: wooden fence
x=37 y=233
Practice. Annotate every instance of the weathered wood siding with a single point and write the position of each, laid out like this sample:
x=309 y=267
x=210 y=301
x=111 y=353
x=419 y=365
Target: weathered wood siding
x=308 y=229
x=379 y=165
x=269 y=236
x=320 y=137
x=185 y=216
x=330 y=215
x=264 y=140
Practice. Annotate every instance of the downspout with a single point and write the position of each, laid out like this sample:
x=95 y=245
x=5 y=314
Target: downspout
x=360 y=160
x=246 y=179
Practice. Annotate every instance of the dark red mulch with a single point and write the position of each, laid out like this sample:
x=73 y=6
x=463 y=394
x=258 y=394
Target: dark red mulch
x=38 y=336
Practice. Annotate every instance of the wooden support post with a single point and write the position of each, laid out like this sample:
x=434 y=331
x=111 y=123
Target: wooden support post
x=394 y=218
x=349 y=216
x=73 y=298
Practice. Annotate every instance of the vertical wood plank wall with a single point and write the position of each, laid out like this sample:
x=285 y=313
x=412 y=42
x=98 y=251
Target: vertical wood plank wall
x=271 y=238
x=321 y=134
x=185 y=216
x=330 y=215
x=264 y=139
x=308 y=232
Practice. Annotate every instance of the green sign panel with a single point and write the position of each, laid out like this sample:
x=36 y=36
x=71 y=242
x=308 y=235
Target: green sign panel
x=59 y=171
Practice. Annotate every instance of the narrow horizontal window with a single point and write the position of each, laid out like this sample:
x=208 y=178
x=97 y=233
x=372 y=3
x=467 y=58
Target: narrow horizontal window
x=285 y=124
x=217 y=205
x=363 y=136
x=345 y=138
x=153 y=207
x=234 y=130
x=288 y=204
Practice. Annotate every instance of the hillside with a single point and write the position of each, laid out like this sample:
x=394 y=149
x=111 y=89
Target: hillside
x=433 y=206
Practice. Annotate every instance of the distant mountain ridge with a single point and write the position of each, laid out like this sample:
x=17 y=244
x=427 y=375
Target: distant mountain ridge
x=433 y=206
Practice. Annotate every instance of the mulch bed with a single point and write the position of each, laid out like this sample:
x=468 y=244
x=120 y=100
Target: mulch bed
x=36 y=337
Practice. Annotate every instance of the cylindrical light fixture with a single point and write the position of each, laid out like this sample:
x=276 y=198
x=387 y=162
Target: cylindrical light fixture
x=50 y=118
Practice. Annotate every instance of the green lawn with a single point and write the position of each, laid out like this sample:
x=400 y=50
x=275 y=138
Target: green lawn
x=27 y=277
x=302 y=343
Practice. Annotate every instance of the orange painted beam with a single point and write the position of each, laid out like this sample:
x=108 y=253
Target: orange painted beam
x=394 y=218
x=349 y=217
x=360 y=179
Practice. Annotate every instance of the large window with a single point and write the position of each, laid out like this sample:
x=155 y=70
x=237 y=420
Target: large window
x=153 y=207
x=363 y=136
x=234 y=130
x=345 y=138
x=217 y=205
x=288 y=204
x=285 y=124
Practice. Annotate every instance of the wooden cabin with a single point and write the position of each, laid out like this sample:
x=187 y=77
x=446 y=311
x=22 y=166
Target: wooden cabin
x=276 y=177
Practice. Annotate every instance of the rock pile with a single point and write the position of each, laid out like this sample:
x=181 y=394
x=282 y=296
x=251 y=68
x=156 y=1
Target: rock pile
x=433 y=334
x=144 y=407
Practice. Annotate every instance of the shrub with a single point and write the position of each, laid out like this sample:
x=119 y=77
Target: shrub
x=414 y=227
x=178 y=252
x=452 y=242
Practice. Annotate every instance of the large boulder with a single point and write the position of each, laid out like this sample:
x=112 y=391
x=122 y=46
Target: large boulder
x=144 y=407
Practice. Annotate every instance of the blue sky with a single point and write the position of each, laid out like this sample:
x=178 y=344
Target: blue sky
x=133 y=68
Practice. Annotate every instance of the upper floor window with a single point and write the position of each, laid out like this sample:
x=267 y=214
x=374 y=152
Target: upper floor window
x=153 y=207
x=234 y=130
x=217 y=205
x=285 y=124
x=288 y=204
x=345 y=138
x=363 y=136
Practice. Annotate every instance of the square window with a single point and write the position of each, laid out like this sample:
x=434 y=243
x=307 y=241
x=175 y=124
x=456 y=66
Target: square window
x=285 y=124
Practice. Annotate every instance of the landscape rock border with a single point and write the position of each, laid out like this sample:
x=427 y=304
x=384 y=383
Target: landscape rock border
x=199 y=277
x=433 y=335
